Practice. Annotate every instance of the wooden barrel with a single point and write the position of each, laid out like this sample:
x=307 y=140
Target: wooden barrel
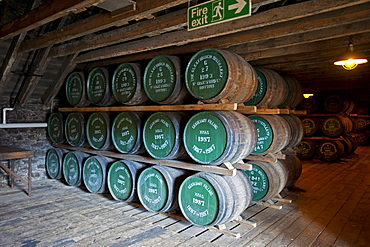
x=363 y=138
x=76 y=90
x=122 y=180
x=98 y=87
x=295 y=93
x=157 y=188
x=268 y=179
x=297 y=131
x=213 y=75
x=354 y=142
x=163 y=82
x=162 y=135
x=276 y=89
x=127 y=84
x=306 y=149
x=311 y=104
x=260 y=92
x=208 y=199
x=56 y=127
x=72 y=167
x=311 y=125
x=215 y=137
x=348 y=148
x=273 y=131
x=336 y=125
x=127 y=133
x=348 y=105
x=362 y=108
x=95 y=173
x=330 y=150
x=54 y=162
x=75 y=129
x=360 y=123
x=334 y=103
x=294 y=167
x=98 y=131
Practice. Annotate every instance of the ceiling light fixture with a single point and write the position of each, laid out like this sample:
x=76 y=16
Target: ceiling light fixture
x=307 y=95
x=350 y=59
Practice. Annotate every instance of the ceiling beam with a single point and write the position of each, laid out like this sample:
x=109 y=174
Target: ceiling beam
x=41 y=15
x=257 y=27
x=160 y=24
x=165 y=23
x=306 y=53
x=67 y=66
x=12 y=57
x=36 y=70
x=98 y=22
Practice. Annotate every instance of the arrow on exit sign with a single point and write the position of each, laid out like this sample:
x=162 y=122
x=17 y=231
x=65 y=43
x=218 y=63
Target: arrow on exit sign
x=217 y=11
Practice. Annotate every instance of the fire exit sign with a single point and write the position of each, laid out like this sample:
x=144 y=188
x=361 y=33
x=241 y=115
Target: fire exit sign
x=217 y=11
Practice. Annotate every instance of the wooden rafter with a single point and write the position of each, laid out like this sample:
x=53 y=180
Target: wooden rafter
x=36 y=70
x=275 y=23
x=67 y=66
x=165 y=23
x=12 y=56
x=41 y=15
x=144 y=9
x=172 y=21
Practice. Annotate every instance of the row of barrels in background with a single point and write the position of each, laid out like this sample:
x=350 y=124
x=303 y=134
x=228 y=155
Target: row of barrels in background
x=347 y=133
x=208 y=137
x=333 y=126
x=204 y=199
x=333 y=102
x=327 y=150
x=210 y=76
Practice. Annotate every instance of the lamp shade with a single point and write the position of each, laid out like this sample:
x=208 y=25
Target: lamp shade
x=350 y=59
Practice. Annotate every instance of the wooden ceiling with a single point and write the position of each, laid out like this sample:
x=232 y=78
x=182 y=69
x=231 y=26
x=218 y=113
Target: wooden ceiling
x=299 y=38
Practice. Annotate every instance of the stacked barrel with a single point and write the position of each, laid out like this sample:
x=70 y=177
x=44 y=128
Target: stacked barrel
x=206 y=137
x=361 y=122
x=329 y=134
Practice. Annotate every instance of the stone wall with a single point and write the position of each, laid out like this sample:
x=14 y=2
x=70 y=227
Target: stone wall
x=28 y=138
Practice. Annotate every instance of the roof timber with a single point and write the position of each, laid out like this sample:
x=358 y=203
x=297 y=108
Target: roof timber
x=301 y=54
x=169 y=22
x=261 y=26
x=161 y=24
x=41 y=15
x=13 y=54
x=98 y=22
x=67 y=66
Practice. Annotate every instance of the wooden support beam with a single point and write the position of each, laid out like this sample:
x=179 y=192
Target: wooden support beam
x=11 y=58
x=67 y=66
x=297 y=53
x=41 y=15
x=171 y=163
x=37 y=69
x=100 y=22
x=165 y=23
x=229 y=31
x=307 y=42
x=10 y=61
x=187 y=107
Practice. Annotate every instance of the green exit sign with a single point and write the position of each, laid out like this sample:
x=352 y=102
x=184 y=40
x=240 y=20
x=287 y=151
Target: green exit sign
x=217 y=11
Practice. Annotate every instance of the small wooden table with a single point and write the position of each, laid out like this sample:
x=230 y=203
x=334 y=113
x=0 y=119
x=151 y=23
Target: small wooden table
x=12 y=153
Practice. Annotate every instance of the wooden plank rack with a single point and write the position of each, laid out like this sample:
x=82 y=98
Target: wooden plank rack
x=223 y=228
x=270 y=157
x=227 y=170
x=188 y=107
x=270 y=203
